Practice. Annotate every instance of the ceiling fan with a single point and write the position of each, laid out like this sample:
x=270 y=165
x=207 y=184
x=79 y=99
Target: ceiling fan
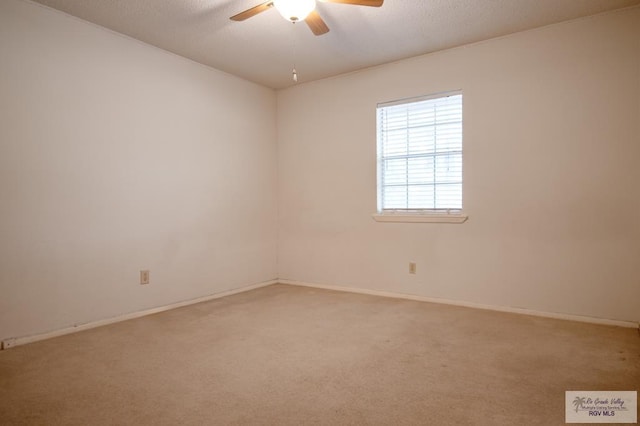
x=301 y=10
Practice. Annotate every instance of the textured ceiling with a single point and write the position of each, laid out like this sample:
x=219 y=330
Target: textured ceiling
x=262 y=48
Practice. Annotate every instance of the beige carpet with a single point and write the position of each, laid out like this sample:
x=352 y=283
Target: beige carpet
x=285 y=355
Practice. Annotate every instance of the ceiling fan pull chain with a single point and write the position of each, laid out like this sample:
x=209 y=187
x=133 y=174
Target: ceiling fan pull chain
x=294 y=72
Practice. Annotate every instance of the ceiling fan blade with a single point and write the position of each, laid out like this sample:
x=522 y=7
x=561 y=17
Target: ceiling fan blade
x=372 y=3
x=316 y=24
x=253 y=11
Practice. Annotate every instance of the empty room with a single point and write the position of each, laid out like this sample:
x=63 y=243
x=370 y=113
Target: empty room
x=331 y=212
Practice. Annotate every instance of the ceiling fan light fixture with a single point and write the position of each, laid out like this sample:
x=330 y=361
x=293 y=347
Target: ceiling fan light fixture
x=294 y=10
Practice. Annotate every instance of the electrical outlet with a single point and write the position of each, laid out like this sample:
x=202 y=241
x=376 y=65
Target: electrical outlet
x=8 y=343
x=144 y=277
x=412 y=267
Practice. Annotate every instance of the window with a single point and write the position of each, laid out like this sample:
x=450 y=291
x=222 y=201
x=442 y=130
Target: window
x=420 y=156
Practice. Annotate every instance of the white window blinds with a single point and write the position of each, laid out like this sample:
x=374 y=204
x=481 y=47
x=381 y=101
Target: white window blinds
x=420 y=154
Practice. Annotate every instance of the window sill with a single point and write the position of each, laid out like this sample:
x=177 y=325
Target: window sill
x=420 y=218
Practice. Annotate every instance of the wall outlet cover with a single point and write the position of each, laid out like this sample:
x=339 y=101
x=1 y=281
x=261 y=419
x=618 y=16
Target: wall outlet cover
x=144 y=276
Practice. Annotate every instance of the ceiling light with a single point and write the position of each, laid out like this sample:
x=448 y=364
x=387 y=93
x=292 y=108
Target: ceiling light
x=294 y=10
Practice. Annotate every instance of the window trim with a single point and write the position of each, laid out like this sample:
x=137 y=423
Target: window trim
x=414 y=215
x=419 y=218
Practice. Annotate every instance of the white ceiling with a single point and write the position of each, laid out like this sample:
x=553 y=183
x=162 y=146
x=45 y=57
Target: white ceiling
x=261 y=49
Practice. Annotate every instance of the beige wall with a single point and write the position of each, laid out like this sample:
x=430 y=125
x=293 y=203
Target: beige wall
x=552 y=144
x=116 y=157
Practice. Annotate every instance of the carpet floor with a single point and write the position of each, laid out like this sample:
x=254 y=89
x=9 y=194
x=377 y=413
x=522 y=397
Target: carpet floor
x=285 y=355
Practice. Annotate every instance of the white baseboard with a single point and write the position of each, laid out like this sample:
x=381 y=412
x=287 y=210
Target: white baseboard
x=569 y=317
x=16 y=341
